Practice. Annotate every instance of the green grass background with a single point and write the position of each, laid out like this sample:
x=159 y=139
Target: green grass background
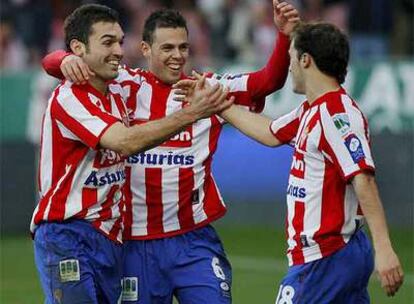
x=256 y=253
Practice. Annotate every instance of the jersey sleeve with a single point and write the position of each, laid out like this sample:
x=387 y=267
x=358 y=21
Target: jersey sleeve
x=78 y=118
x=51 y=63
x=272 y=76
x=250 y=89
x=345 y=138
x=286 y=127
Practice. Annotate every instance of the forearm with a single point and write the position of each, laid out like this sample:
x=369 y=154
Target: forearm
x=137 y=138
x=370 y=202
x=273 y=76
x=253 y=125
x=51 y=63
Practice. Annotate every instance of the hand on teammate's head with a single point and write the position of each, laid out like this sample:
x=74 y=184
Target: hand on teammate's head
x=285 y=16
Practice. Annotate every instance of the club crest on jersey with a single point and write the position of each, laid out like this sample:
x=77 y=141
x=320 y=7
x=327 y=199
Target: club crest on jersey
x=342 y=123
x=354 y=146
x=108 y=178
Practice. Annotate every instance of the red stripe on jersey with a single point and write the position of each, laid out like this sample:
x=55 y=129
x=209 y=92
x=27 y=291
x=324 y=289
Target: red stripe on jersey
x=153 y=182
x=116 y=228
x=89 y=197
x=42 y=207
x=77 y=128
x=288 y=132
x=332 y=211
x=297 y=223
x=128 y=203
x=159 y=103
x=131 y=102
x=185 y=197
x=106 y=212
x=210 y=190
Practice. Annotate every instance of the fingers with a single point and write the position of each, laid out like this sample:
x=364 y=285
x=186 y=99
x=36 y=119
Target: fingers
x=184 y=84
x=391 y=280
x=75 y=70
x=226 y=104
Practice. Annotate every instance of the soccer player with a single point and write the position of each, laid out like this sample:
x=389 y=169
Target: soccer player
x=172 y=197
x=77 y=224
x=332 y=189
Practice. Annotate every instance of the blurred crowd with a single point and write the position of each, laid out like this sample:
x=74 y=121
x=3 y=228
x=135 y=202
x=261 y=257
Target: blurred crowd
x=220 y=30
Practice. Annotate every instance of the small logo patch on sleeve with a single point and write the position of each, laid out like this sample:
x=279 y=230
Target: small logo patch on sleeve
x=354 y=146
x=69 y=270
x=130 y=289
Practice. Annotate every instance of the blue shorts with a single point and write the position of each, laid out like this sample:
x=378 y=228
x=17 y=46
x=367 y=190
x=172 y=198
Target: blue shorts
x=339 y=278
x=192 y=267
x=77 y=264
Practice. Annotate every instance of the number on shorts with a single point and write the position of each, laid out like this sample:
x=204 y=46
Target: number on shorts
x=218 y=271
x=285 y=295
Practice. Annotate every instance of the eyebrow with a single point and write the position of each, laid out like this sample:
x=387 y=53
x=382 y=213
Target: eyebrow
x=110 y=36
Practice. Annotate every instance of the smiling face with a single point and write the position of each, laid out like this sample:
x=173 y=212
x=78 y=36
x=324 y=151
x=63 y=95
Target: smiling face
x=168 y=53
x=104 y=50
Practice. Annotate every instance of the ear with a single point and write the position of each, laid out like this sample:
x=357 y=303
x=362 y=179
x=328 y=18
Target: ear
x=305 y=60
x=145 y=49
x=77 y=47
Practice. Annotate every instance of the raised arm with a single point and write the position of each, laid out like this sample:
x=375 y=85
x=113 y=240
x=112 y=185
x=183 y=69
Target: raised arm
x=387 y=264
x=273 y=75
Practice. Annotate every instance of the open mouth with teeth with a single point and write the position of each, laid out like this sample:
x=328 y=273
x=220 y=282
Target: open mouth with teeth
x=175 y=67
x=114 y=64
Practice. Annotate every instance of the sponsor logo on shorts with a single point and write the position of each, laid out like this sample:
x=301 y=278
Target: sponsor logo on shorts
x=130 y=289
x=69 y=270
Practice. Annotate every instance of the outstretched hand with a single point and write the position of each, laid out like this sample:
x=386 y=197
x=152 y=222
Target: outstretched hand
x=285 y=16
x=203 y=99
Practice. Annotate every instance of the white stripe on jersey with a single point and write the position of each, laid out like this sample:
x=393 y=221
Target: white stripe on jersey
x=170 y=199
x=67 y=171
x=46 y=153
x=76 y=109
x=139 y=209
x=142 y=110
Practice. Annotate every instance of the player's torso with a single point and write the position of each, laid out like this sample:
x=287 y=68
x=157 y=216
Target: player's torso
x=170 y=188
x=75 y=180
x=320 y=204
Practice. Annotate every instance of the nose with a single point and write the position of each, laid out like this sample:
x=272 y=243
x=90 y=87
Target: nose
x=177 y=53
x=118 y=50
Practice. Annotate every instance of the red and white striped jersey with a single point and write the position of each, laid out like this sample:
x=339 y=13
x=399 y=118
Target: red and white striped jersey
x=331 y=145
x=170 y=189
x=78 y=179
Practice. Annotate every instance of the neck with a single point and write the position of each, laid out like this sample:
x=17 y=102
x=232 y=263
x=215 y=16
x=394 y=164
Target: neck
x=318 y=85
x=99 y=84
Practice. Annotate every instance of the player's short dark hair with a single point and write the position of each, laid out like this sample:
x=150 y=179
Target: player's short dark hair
x=78 y=25
x=163 y=18
x=328 y=46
